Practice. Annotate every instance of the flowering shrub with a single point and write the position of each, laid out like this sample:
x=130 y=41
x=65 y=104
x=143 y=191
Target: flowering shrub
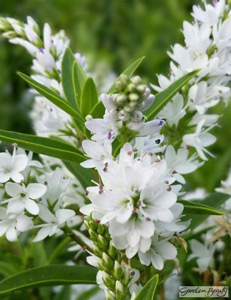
x=110 y=173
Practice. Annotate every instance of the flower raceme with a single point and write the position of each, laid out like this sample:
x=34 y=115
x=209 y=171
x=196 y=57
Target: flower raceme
x=136 y=193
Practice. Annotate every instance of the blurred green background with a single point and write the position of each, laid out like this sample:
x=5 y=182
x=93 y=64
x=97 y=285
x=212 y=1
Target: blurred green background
x=116 y=32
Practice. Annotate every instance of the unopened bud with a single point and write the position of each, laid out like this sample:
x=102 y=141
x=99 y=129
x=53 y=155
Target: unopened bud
x=108 y=281
x=136 y=80
x=117 y=271
x=93 y=235
x=97 y=251
x=100 y=229
x=9 y=34
x=141 y=88
x=131 y=87
x=102 y=242
x=133 y=97
x=119 y=290
x=112 y=250
x=107 y=260
x=109 y=295
x=120 y=99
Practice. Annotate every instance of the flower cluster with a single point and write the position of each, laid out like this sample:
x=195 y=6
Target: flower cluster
x=34 y=196
x=123 y=115
x=207 y=47
x=47 y=53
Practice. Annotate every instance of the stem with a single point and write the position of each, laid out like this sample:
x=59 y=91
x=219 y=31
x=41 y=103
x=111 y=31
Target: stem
x=60 y=247
x=77 y=239
x=80 y=242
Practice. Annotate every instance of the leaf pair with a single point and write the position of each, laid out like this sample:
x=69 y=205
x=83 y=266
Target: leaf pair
x=80 y=91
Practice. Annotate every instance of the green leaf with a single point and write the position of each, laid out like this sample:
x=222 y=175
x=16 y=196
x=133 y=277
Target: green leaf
x=99 y=109
x=198 y=208
x=68 y=79
x=52 y=96
x=129 y=72
x=79 y=78
x=89 y=97
x=48 y=276
x=148 y=291
x=43 y=145
x=214 y=200
x=82 y=174
x=166 y=95
x=6 y=269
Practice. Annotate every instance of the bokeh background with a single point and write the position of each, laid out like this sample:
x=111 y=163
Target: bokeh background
x=112 y=34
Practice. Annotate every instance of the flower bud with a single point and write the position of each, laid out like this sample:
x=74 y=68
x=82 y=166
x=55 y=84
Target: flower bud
x=93 y=235
x=102 y=242
x=118 y=270
x=97 y=251
x=119 y=290
x=100 y=229
x=131 y=87
x=109 y=295
x=120 y=99
x=136 y=80
x=141 y=88
x=112 y=250
x=107 y=261
x=108 y=281
x=133 y=97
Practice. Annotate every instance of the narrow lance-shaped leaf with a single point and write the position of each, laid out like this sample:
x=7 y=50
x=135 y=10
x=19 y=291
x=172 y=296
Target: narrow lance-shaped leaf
x=52 y=96
x=68 y=82
x=89 y=97
x=214 y=200
x=79 y=78
x=166 y=95
x=148 y=291
x=48 y=276
x=198 y=208
x=43 y=145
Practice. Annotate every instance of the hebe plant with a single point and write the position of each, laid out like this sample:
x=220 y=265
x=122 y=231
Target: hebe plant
x=110 y=175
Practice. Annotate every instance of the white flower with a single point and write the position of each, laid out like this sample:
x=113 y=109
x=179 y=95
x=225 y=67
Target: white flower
x=11 y=225
x=100 y=154
x=179 y=163
x=197 y=37
x=57 y=187
x=200 y=139
x=24 y=197
x=149 y=145
x=135 y=193
x=225 y=185
x=168 y=229
x=174 y=110
x=210 y=16
x=202 y=96
x=53 y=222
x=203 y=253
x=105 y=129
x=146 y=128
x=160 y=250
x=11 y=166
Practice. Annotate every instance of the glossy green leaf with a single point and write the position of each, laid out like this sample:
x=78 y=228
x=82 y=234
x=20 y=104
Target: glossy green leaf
x=79 y=78
x=89 y=97
x=166 y=95
x=198 y=208
x=67 y=77
x=214 y=200
x=48 y=276
x=82 y=174
x=52 y=96
x=148 y=291
x=129 y=72
x=43 y=145
x=99 y=109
